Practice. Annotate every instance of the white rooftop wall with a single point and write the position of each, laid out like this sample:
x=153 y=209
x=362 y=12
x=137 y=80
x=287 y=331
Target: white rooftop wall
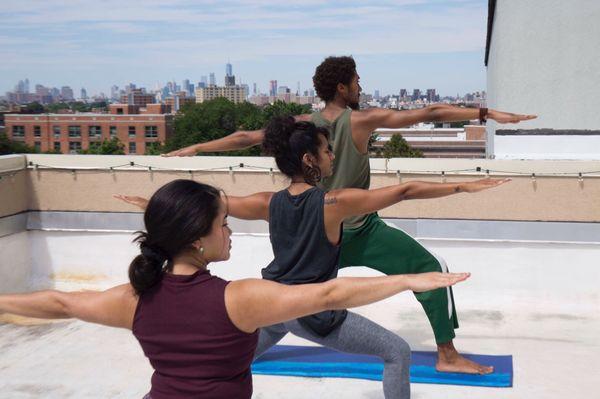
x=544 y=59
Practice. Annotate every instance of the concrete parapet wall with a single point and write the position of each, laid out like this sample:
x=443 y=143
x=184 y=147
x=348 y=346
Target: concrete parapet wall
x=85 y=184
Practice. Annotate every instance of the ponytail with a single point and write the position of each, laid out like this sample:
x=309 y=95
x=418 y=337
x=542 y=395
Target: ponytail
x=146 y=269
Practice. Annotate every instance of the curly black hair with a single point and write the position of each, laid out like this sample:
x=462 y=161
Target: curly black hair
x=330 y=72
x=288 y=141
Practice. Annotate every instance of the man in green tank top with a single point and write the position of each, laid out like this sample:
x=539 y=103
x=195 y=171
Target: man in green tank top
x=367 y=240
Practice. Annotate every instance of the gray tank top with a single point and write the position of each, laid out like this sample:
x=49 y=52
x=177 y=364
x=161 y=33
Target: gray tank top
x=303 y=254
x=351 y=168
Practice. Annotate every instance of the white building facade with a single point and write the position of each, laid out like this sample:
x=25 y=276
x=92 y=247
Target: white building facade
x=543 y=58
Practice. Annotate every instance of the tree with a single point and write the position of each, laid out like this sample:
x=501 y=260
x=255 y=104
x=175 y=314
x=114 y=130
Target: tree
x=281 y=108
x=154 y=149
x=106 y=147
x=397 y=147
x=220 y=117
x=14 y=147
x=54 y=108
x=33 y=108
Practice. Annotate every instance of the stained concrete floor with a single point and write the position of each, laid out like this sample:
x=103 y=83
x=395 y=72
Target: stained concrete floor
x=537 y=302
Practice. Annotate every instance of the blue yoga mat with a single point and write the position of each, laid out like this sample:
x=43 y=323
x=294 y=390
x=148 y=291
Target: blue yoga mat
x=316 y=361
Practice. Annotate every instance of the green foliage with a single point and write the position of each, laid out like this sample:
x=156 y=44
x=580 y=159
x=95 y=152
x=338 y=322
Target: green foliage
x=154 y=149
x=281 y=108
x=106 y=147
x=14 y=147
x=79 y=106
x=211 y=120
x=397 y=147
x=54 y=108
x=76 y=106
x=33 y=108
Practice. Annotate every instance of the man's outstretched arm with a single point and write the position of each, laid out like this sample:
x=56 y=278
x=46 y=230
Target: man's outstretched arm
x=235 y=141
x=365 y=122
x=239 y=140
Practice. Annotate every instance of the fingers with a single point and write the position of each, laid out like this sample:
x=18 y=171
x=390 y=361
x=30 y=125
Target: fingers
x=125 y=198
x=454 y=278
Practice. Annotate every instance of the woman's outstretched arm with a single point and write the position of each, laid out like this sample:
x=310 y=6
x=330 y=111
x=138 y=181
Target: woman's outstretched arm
x=253 y=303
x=250 y=207
x=340 y=204
x=114 y=307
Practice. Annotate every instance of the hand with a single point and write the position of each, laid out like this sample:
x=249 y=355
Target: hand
x=430 y=281
x=483 y=184
x=140 y=202
x=189 y=151
x=507 y=117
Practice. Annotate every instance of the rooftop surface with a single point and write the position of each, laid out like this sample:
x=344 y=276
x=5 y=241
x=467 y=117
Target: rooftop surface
x=533 y=293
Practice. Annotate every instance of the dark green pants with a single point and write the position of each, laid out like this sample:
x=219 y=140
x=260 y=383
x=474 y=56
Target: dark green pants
x=391 y=251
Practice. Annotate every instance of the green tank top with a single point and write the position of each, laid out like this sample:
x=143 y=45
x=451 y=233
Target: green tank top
x=351 y=168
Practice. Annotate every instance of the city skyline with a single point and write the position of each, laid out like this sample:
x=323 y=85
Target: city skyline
x=438 y=43
x=27 y=86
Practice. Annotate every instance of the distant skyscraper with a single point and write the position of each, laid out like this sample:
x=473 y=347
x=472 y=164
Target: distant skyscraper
x=83 y=95
x=229 y=80
x=283 y=90
x=403 y=93
x=114 y=92
x=26 y=85
x=228 y=70
x=254 y=91
x=212 y=79
x=416 y=94
x=66 y=93
x=204 y=80
x=431 y=96
x=186 y=86
x=376 y=95
x=273 y=88
x=298 y=89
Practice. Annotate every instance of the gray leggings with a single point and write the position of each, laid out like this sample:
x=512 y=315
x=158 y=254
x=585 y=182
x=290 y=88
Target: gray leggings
x=355 y=335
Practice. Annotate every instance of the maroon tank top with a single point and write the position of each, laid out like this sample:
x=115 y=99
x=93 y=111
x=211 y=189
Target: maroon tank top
x=194 y=348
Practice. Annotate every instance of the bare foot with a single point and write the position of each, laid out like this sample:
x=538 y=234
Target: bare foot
x=450 y=361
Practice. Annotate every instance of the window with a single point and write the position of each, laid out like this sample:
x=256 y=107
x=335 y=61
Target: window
x=119 y=111
x=131 y=131
x=132 y=148
x=74 y=147
x=18 y=131
x=38 y=146
x=56 y=131
x=113 y=131
x=74 y=131
x=57 y=146
x=151 y=132
x=37 y=131
x=95 y=131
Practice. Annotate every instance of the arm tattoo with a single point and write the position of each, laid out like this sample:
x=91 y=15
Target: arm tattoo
x=330 y=201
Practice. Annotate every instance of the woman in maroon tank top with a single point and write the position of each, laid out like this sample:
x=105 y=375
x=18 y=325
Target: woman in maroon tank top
x=197 y=330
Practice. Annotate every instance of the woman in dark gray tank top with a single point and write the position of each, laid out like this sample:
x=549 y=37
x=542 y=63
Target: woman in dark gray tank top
x=303 y=253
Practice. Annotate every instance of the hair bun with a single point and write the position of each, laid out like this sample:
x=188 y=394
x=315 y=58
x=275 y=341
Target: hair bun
x=153 y=253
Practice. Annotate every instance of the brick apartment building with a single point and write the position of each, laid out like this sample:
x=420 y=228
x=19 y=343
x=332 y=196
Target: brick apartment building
x=70 y=133
x=138 y=97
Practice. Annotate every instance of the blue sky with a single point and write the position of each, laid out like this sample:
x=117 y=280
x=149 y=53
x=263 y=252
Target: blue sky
x=397 y=44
